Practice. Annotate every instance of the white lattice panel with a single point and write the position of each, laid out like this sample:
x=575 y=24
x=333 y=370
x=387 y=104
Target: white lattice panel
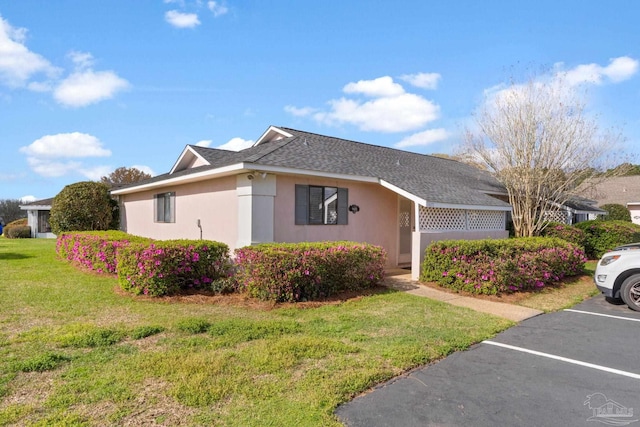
x=405 y=219
x=442 y=219
x=448 y=219
x=485 y=220
x=557 y=216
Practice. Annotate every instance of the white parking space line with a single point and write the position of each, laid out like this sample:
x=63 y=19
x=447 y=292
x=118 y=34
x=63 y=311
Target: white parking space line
x=602 y=315
x=565 y=359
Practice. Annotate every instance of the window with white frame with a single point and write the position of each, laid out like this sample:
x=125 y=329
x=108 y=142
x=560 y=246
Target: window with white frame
x=318 y=205
x=165 y=207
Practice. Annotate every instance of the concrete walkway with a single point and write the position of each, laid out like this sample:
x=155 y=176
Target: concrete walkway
x=401 y=280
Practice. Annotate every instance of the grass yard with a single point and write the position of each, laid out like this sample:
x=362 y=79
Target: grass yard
x=75 y=351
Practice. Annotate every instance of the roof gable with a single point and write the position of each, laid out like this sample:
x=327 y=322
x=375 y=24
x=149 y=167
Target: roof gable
x=190 y=158
x=272 y=134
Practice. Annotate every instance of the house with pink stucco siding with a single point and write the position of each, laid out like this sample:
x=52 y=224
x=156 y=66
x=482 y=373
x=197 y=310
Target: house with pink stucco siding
x=296 y=186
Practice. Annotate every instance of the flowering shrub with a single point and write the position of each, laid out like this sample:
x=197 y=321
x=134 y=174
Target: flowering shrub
x=602 y=236
x=306 y=271
x=165 y=267
x=565 y=232
x=501 y=266
x=94 y=250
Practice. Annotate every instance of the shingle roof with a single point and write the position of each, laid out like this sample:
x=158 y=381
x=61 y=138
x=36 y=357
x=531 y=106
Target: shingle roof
x=619 y=190
x=434 y=179
x=583 y=205
x=41 y=202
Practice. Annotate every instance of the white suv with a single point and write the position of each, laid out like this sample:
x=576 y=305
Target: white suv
x=618 y=275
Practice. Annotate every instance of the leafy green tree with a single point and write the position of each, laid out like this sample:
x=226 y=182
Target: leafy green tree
x=84 y=206
x=10 y=210
x=616 y=212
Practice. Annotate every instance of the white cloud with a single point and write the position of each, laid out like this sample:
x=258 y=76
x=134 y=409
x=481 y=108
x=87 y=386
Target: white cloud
x=96 y=172
x=236 y=144
x=299 y=112
x=48 y=168
x=216 y=8
x=82 y=60
x=28 y=198
x=392 y=109
x=87 y=87
x=382 y=86
x=46 y=156
x=204 y=143
x=619 y=69
x=423 y=138
x=145 y=169
x=401 y=113
x=182 y=20
x=17 y=63
x=422 y=80
x=62 y=145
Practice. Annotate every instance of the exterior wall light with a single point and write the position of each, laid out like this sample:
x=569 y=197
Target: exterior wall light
x=354 y=208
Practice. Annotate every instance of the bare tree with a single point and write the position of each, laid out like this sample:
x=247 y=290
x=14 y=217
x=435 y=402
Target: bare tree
x=124 y=175
x=541 y=144
x=10 y=210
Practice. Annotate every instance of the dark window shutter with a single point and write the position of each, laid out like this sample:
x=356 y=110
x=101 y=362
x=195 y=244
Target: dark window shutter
x=302 y=204
x=343 y=206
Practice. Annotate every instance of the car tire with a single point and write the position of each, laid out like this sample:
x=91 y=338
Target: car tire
x=630 y=292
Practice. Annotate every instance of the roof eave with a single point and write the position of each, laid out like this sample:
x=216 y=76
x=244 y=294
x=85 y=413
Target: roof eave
x=468 y=207
x=185 y=179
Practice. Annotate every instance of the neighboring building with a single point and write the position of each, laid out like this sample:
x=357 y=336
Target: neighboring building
x=38 y=213
x=634 y=210
x=622 y=190
x=295 y=186
x=575 y=210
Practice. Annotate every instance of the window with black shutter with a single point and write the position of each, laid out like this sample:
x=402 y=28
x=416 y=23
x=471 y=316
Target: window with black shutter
x=316 y=205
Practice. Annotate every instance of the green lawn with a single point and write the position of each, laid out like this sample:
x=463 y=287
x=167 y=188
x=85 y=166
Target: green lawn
x=73 y=351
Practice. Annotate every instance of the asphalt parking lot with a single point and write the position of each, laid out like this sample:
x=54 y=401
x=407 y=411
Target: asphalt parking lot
x=574 y=367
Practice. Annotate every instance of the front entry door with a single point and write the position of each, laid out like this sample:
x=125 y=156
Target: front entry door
x=405 y=221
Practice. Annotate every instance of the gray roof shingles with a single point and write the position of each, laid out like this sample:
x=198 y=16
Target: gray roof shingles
x=431 y=178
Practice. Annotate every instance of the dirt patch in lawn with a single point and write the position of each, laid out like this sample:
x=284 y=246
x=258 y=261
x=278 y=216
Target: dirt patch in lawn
x=553 y=297
x=243 y=300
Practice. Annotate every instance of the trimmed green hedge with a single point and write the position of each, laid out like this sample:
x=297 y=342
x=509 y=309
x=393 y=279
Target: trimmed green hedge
x=17 y=229
x=602 y=236
x=566 y=232
x=17 y=232
x=307 y=271
x=166 y=267
x=501 y=266
x=94 y=250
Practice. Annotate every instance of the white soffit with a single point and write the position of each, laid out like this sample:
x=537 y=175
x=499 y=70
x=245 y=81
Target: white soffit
x=271 y=134
x=185 y=159
x=418 y=200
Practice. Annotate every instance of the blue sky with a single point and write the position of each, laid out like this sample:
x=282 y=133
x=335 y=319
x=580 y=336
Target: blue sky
x=87 y=86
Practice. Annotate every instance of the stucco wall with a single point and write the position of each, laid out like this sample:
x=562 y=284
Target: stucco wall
x=214 y=202
x=375 y=223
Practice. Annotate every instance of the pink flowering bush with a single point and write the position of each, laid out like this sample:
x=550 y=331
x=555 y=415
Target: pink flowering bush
x=565 y=232
x=501 y=266
x=166 y=267
x=94 y=250
x=307 y=271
